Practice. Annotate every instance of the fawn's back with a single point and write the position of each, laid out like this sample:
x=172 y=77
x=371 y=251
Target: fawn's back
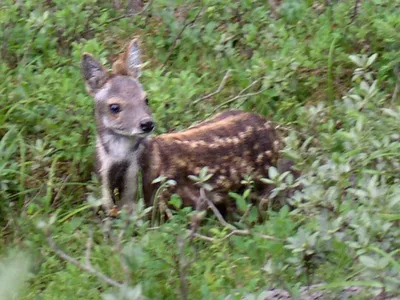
x=234 y=144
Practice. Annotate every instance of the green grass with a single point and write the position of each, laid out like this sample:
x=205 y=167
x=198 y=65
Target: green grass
x=310 y=68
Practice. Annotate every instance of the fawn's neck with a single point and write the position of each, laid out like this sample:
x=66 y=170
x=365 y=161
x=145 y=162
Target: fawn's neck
x=118 y=147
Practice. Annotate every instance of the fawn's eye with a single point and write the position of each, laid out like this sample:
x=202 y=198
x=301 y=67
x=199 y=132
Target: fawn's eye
x=147 y=101
x=115 y=108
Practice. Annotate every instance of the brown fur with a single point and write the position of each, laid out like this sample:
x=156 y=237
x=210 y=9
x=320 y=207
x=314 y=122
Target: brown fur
x=232 y=144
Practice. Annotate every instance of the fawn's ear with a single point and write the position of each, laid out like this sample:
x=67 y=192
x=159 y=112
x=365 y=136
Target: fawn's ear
x=94 y=73
x=129 y=63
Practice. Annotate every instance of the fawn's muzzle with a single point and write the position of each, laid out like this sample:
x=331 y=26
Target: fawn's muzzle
x=147 y=125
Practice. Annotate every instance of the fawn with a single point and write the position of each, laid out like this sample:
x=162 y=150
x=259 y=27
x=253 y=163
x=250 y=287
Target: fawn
x=232 y=144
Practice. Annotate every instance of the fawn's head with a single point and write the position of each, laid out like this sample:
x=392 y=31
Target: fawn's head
x=121 y=105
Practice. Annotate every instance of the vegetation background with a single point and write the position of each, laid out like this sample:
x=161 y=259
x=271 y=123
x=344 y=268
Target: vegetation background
x=326 y=71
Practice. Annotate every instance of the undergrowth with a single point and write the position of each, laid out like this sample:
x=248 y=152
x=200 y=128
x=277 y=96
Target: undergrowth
x=326 y=71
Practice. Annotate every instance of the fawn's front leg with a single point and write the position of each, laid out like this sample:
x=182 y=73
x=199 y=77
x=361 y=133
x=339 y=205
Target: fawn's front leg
x=128 y=188
x=121 y=177
x=107 y=191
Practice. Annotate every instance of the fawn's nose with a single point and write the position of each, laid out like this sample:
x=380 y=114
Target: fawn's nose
x=147 y=125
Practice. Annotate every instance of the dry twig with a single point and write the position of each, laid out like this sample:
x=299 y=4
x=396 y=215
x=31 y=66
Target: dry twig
x=396 y=92
x=218 y=90
x=357 y=4
x=242 y=95
x=274 y=9
x=234 y=230
x=202 y=237
x=214 y=209
x=87 y=266
x=89 y=245
x=61 y=189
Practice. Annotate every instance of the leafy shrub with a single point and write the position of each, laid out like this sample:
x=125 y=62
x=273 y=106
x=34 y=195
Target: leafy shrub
x=14 y=272
x=289 y=62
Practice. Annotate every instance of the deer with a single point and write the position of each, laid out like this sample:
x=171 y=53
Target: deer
x=232 y=144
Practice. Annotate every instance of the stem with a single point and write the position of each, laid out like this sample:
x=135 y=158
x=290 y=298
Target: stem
x=330 y=89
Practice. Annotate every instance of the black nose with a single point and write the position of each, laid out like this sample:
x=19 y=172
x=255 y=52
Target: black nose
x=147 y=125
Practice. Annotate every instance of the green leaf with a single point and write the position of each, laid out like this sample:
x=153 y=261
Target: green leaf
x=208 y=187
x=390 y=217
x=207 y=177
x=171 y=182
x=194 y=178
x=273 y=173
x=356 y=60
x=159 y=179
x=267 y=181
x=215 y=231
x=15 y=271
x=234 y=195
x=371 y=59
x=175 y=201
x=241 y=204
x=246 y=193
x=53 y=217
x=368 y=261
x=364 y=86
x=203 y=172
x=390 y=258
x=253 y=215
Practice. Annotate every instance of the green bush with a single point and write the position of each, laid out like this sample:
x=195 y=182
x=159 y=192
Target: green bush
x=325 y=71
